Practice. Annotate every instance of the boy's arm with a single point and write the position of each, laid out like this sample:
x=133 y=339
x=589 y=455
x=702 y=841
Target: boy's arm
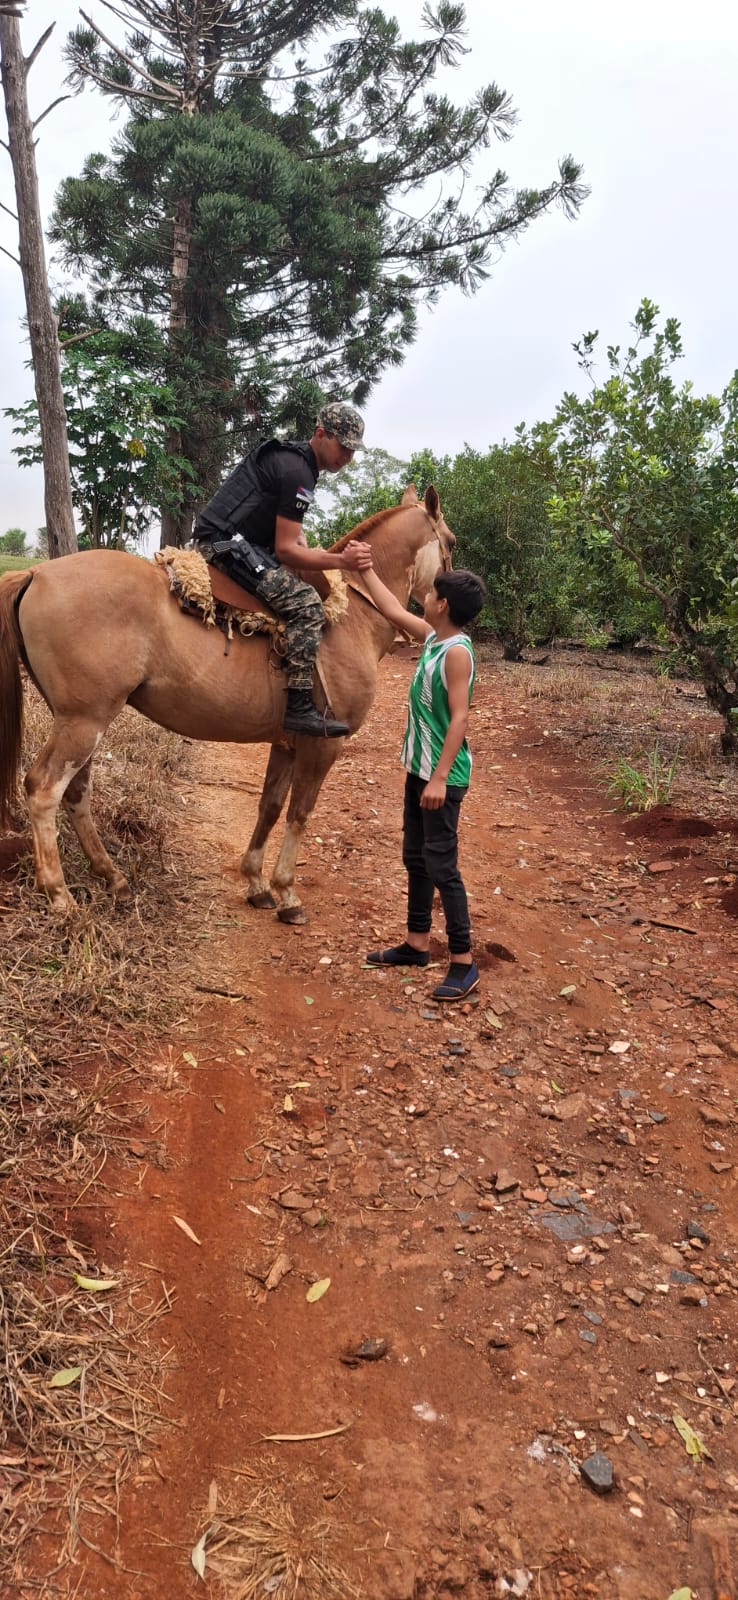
x=458 y=670
x=390 y=608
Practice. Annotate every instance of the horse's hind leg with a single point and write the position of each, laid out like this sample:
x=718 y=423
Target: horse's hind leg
x=277 y=780
x=76 y=802
x=69 y=749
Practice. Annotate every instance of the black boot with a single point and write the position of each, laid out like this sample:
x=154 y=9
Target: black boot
x=302 y=716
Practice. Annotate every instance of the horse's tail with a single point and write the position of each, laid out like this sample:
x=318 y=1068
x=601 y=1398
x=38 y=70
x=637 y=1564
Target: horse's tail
x=11 y=693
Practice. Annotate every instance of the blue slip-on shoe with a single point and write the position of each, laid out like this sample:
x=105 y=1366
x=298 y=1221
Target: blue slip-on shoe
x=459 y=982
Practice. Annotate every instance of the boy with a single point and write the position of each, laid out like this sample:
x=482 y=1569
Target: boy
x=437 y=760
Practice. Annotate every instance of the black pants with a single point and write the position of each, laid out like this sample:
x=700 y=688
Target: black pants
x=429 y=855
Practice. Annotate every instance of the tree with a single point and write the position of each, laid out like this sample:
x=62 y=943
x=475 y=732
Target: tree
x=496 y=505
x=41 y=322
x=13 y=543
x=279 y=216
x=118 y=423
x=649 y=470
x=373 y=482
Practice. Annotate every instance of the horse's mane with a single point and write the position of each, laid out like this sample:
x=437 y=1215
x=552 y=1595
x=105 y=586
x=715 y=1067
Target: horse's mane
x=366 y=527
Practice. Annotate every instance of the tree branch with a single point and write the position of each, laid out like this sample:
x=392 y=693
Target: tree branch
x=28 y=63
x=59 y=100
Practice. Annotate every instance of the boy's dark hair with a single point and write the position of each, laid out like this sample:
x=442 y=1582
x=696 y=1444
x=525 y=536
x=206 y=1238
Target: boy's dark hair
x=464 y=592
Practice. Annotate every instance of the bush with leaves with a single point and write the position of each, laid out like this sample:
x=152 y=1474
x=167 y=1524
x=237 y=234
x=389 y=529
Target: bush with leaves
x=118 y=422
x=647 y=477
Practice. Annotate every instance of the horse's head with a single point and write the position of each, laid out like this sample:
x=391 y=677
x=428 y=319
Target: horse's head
x=437 y=546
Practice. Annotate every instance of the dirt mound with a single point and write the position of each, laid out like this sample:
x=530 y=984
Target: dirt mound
x=664 y=823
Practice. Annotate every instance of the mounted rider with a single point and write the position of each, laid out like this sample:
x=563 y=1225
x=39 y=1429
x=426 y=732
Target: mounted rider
x=252 y=531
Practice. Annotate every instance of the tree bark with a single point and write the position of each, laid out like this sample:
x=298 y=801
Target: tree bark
x=42 y=326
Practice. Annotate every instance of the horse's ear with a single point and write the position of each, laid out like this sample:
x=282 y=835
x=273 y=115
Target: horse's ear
x=432 y=502
x=410 y=497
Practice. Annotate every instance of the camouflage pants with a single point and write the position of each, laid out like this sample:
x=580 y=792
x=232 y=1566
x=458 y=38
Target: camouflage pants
x=300 y=608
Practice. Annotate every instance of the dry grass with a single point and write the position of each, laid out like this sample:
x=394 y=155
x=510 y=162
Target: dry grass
x=266 y=1547
x=79 y=1001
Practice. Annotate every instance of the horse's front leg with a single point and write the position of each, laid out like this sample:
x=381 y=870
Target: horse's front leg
x=277 y=780
x=313 y=760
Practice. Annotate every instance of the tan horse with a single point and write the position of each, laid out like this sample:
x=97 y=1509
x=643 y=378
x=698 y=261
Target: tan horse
x=100 y=630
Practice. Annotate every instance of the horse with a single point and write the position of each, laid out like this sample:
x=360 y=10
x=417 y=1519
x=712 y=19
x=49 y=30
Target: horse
x=100 y=630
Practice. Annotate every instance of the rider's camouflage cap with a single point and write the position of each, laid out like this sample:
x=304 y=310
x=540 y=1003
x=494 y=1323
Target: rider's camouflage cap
x=344 y=421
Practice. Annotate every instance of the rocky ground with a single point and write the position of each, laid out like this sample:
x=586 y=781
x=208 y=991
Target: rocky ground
x=520 y=1378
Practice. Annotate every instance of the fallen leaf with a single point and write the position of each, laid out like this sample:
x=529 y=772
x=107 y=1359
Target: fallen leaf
x=212 y=1498
x=492 y=1019
x=681 y=1594
x=95 y=1285
x=186 y=1229
x=692 y=1441
x=296 y=1438
x=189 y=1058
x=308 y=1000
x=568 y=992
x=556 y=1088
x=289 y=1104
x=317 y=1290
x=67 y=1375
x=197 y=1557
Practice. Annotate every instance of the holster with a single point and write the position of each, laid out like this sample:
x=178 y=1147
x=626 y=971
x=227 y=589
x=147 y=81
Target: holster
x=245 y=563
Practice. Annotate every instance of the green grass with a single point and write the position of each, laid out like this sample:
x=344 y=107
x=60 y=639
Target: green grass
x=641 y=788
x=15 y=563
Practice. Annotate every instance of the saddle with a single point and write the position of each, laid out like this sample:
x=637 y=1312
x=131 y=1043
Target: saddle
x=202 y=591
x=228 y=593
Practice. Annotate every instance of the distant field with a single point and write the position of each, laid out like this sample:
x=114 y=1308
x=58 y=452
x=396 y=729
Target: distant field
x=15 y=563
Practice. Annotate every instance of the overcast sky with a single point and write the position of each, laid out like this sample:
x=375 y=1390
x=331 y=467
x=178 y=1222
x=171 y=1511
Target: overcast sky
x=642 y=92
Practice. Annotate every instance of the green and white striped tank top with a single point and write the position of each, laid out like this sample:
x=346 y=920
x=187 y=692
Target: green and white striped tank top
x=428 y=714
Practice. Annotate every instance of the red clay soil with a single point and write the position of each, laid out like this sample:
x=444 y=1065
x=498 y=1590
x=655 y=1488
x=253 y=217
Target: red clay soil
x=530 y=1199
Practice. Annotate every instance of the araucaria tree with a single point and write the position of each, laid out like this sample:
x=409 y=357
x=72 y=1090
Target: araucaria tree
x=288 y=189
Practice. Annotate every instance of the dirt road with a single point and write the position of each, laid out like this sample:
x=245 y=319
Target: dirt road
x=525 y=1206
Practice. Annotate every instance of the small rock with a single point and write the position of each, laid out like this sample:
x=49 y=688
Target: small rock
x=505 y=1182
x=694 y=1231
x=635 y=1296
x=597 y=1472
x=455 y=1576
x=587 y=1336
x=693 y=1295
x=715 y=1118
x=486 y=1561
x=682 y=1277
x=657 y=1116
x=292 y=1200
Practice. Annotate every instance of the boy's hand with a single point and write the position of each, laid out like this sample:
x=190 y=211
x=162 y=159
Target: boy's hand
x=434 y=794
x=356 y=556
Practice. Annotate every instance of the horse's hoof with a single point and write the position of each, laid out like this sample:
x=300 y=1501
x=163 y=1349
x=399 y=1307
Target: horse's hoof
x=121 y=893
x=62 y=905
x=263 y=901
x=292 y=915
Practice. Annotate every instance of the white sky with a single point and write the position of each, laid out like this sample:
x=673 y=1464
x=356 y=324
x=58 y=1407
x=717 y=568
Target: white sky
x=642 y=92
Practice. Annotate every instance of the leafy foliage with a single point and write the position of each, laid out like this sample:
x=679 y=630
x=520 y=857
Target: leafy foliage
x=118 y=421
x=278 y=213
x=647 y=475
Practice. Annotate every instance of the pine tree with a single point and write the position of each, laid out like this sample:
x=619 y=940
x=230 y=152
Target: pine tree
x=280 y=203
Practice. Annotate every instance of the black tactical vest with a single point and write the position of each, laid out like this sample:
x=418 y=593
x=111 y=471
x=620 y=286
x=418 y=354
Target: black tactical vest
x=244 y=503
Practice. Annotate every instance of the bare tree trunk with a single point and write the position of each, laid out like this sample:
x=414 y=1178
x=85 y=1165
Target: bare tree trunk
x=41 y=320
x=174 y=525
